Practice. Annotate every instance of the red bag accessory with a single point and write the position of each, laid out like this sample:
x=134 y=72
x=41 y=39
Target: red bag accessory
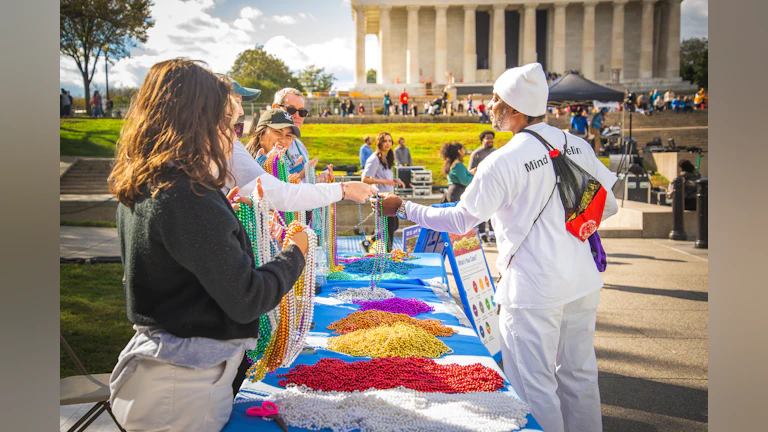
x=583 y=197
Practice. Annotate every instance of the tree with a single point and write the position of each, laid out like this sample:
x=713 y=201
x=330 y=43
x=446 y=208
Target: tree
x=89 y=27
x=370 y=76
x=315 y=79
x=694 y=58
x=256 y=65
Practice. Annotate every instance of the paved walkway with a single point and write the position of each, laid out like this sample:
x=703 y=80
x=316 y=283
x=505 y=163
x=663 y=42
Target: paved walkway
x=651 y=340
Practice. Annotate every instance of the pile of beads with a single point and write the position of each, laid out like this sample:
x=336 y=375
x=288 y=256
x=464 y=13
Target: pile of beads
x=400 y=409
x=374 y=318
x=370 y=265
x=397 y=340
x=397 y=255
x=342 y=276
x=410 y=307
x=350 y=294
x=415 y=373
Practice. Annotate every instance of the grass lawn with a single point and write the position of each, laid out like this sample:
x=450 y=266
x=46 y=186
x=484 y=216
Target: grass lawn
x=88 y=137
x=92 y=314
x=97 y=224
x=331 y=143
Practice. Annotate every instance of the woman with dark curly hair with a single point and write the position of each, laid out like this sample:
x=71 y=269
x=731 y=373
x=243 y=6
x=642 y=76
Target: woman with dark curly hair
x=455 y=170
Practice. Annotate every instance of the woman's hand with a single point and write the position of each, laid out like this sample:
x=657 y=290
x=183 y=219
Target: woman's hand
x=301 y=240
x=358 y=192
x=275 y=229
x=400 y=183
x=388 y=182
x=473 y=171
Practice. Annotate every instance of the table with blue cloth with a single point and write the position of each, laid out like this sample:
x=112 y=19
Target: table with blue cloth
x=427 y=283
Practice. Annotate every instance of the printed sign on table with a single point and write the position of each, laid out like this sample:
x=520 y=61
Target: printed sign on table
x=410 y=236
x=473 y=280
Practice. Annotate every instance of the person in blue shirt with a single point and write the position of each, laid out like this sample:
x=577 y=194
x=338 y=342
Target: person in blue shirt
x=596 y=126
x=579 y=123
x=365 y=151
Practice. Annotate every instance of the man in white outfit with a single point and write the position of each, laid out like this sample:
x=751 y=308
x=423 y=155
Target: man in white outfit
x=550 y=286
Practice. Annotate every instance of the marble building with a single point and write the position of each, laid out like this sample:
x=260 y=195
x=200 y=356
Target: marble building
x=622 y=43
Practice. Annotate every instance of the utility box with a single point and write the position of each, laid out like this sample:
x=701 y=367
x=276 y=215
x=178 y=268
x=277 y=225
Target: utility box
x=633 y=188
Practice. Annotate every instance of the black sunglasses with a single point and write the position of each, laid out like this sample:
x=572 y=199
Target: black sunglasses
x=303 y=112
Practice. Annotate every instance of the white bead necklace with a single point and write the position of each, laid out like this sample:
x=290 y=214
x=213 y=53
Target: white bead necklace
x=400 y=409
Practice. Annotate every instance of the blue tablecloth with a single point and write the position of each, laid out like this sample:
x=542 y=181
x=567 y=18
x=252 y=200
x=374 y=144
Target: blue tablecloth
x=466 y=345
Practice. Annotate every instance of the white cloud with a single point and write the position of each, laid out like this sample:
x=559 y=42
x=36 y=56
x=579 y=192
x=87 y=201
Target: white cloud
x=182 y=29
x=284 y=19
x=694 y=19
x=250 y=13
x=303 y=15
x=244 y=24
x=335 y=56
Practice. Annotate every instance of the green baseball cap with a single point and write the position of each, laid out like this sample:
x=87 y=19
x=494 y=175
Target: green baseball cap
x=248 y=94
x=278 y=119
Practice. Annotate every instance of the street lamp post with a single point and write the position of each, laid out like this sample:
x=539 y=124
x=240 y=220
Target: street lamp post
x=106 y=66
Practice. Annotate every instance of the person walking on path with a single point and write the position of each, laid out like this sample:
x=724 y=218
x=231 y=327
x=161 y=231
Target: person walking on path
x=96 y=110
x=455 y=171
x=387 y=103
x=549 y=288
x=404 y=102
x=365 y=151
x=65 y=104
x=402 y=154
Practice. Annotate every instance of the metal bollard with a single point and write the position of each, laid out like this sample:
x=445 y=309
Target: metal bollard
x=702 y=197
x=678 y=207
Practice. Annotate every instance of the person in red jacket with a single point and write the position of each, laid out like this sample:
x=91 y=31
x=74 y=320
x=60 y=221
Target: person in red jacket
x=404 y=102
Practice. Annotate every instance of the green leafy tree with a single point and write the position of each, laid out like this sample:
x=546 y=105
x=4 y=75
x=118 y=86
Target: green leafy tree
x=370 y=76
x=89 y=29
x=315 y=79
x=256 y=65
x=694 y=58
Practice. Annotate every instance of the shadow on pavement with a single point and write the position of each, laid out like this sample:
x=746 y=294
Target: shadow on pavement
x=633 y=256
x=611 y=424
x=680 y=294
x=653 y=397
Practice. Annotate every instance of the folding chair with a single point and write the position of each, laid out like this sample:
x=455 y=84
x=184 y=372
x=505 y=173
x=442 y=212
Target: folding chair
x=85 y=388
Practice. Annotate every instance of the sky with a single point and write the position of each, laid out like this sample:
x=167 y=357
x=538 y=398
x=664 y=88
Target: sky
x=300 y=32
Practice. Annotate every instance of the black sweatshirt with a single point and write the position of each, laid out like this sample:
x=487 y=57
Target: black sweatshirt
x=189 y=266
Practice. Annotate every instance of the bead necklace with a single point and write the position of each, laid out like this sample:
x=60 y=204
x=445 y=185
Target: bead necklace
x=342 y=276
x=374 y=318
x=396 y=340
x=400 y=409
x=349 y=294
x=380 y=248
x=289 y=322
x=410 y=307
x=416 y=373
x=384 y=264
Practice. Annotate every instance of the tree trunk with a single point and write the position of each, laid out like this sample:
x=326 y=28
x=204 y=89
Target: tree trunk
x=87 y=87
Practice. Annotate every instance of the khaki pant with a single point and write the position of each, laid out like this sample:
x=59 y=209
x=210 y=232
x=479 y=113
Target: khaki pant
x=596 y=140
x=161 y=397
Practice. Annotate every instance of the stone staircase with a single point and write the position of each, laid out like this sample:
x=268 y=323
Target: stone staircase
x=86 y=176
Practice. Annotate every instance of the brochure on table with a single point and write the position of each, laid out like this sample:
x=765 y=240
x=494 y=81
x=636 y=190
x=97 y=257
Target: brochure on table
x=473 y=280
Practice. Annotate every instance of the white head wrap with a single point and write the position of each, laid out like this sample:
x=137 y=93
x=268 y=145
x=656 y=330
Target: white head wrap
x=525 y=89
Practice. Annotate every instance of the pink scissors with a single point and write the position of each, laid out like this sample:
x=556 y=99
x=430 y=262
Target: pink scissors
x=267 y=410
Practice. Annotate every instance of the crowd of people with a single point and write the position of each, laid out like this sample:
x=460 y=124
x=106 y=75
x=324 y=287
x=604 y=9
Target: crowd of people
x=100 y=107
x=669 y=101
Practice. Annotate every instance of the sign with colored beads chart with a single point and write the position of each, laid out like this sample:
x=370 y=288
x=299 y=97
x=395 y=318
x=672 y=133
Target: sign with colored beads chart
x=473 y=280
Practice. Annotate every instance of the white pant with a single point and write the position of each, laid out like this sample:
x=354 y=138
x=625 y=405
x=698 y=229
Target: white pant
x=161 y=397
x=549 y=358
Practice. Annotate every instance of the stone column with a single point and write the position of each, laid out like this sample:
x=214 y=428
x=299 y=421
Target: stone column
x=521 y=36
x=558 y=50
x=646 y=41
x=384 y=76
x=499 y=59
x=673 y=40
x=617 y=40
x=412 y=52
x=441 y=44
x=470 y=48
x=588 y=43
x=529 y=42
x=360 y=76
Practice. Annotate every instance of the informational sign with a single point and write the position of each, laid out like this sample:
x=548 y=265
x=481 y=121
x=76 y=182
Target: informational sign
x=473 y=280
x=410 y=236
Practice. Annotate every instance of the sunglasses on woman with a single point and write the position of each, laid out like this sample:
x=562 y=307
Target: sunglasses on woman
x=303 y=112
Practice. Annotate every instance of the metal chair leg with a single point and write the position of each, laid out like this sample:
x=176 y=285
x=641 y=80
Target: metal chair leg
x=90 y=416
x=117 y=423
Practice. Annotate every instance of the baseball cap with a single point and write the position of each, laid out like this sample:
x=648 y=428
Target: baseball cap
x=248 y=94
x=278 y=119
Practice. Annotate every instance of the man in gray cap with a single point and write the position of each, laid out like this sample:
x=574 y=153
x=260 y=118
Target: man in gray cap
x=550 y=286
